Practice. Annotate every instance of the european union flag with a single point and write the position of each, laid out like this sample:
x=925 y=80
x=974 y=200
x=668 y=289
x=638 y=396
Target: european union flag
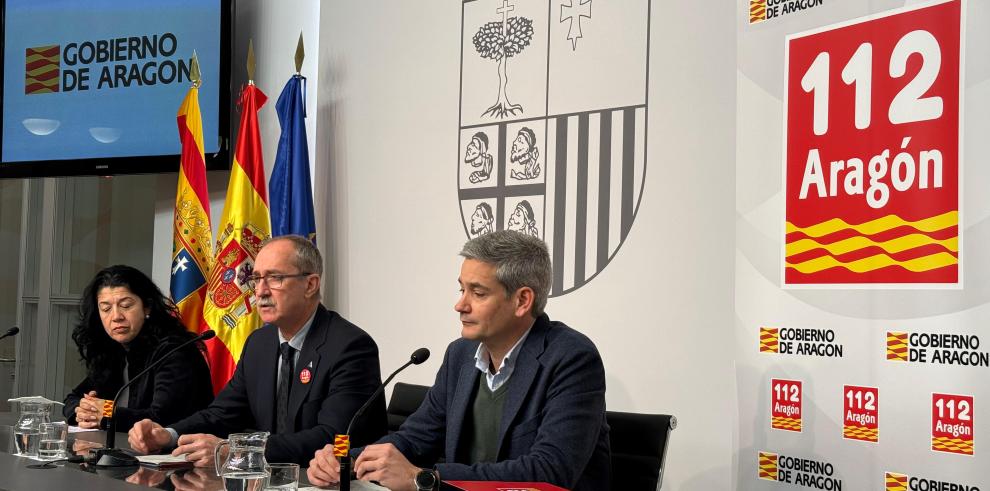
x=291 y=198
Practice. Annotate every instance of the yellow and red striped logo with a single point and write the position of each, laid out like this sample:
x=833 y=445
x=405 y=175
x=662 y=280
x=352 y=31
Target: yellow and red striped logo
x=952 y=445
x=895 y=482
x=768 y=466
x=757 y=11
x=785 y=423
x=341 y=446
x=897 y=346
x=861 y=433
x=41 y=69
x=871 y=248
x=107 y=408
x=769 y=340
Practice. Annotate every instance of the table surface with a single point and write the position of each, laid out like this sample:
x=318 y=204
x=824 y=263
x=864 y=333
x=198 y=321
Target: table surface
x=16 y=476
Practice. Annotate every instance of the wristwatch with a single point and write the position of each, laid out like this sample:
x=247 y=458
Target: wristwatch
x=427 y=480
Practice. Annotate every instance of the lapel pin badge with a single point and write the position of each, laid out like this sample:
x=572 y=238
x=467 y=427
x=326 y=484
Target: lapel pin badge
x=305 y=376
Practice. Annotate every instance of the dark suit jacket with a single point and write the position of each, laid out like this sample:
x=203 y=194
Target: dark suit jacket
x=553 y=424
x=175 y=389
x=343 y=361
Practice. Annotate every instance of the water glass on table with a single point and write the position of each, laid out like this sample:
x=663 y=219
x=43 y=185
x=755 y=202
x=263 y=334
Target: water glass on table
x=283 y=477
x=53 y=438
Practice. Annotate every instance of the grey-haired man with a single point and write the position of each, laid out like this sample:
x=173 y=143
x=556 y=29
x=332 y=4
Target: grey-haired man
x=518 y=397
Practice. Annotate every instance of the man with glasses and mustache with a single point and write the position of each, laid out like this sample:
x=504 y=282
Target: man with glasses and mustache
x=301 y=376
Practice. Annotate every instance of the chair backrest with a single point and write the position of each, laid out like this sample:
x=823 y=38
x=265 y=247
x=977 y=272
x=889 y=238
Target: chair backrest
x=406 y=399
x=639 y=448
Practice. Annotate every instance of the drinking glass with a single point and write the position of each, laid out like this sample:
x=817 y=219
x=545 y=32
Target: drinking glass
x=283 y=476
x=53 y=438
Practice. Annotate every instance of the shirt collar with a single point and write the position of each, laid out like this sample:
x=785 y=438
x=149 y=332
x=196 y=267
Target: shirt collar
x=482 y=358
x=297 y=341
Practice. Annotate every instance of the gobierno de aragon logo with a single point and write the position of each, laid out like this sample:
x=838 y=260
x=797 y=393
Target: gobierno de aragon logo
x=80 y=66
x=871 y=159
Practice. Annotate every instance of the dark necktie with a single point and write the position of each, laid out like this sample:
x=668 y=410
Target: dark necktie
x=285 y=382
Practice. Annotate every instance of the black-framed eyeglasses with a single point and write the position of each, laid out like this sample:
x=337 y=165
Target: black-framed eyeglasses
x=274 y=281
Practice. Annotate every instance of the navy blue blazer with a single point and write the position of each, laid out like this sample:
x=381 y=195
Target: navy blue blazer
x=553 y=424
x=343 y=362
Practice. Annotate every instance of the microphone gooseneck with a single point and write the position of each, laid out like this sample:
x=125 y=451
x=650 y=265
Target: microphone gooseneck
x=11 y=332
x=418 y=357
x=110 y=457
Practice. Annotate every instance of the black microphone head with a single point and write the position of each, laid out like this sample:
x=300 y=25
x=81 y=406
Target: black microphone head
x=420 y=355
x=12 y=331
x=208 y=334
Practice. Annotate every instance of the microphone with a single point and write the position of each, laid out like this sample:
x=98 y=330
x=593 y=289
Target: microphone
x=341 y=450
x=11 y=332
x=418 y=357
x=111 y=457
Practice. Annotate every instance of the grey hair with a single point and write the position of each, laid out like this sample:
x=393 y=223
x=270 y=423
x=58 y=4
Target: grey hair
x=308 y=258
x=519 y=259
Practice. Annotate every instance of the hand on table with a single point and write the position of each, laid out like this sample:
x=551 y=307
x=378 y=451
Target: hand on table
x=324 y=468
x=146 y=437
x=385 y=464
x=89 y=412
x=199 y=448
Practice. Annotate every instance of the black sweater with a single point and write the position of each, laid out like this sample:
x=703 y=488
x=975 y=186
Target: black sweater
x=175 y=389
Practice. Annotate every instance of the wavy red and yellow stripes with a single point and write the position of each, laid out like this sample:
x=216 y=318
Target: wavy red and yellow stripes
x=897 y=346
x=785 y=423
x=757 y=11
x=895 y=482
x=836 y=251
x=41 y=69
x=769 y=340
x=341 y=446
x=245 y=220
x=768 y=466
x=860 y=433
x=952 y=445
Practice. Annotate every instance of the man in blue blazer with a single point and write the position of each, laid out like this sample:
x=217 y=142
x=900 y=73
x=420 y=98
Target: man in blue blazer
x=518 y=398
x=330 y=371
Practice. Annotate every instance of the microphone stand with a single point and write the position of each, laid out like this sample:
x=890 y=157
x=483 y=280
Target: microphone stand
x=109 y=456
x=341 y=450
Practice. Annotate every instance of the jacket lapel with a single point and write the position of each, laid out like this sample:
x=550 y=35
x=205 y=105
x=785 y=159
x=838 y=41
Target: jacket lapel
x=266 y=375
x=527 y=366
x=309 y=359
x=466 y=381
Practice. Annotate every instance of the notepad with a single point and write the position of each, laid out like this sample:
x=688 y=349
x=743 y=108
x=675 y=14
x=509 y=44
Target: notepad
x=166 y=461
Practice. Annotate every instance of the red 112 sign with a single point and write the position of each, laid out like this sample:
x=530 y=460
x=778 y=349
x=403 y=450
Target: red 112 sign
x=952 y=423
x=785 y=404
x=861 y=413
x=871 y=161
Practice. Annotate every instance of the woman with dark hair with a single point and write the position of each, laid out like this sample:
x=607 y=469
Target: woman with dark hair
x=125 y=323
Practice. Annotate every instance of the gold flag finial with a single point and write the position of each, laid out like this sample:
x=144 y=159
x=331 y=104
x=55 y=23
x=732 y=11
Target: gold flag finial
x=250 y=61
x=194 y=74
x=300 y=54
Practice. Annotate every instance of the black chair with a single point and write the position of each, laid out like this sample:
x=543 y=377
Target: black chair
x=639 y=448
x=406 y=399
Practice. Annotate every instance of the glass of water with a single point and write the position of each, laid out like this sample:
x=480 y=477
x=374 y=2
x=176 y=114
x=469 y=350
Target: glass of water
x=283 y=476
x=53 y=437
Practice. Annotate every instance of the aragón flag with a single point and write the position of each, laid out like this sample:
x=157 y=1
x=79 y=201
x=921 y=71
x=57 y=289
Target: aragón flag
x=192 y=241
x=244 y=225
x=292 y=195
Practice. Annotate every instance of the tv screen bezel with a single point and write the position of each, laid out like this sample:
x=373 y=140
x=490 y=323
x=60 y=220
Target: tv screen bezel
x=147 y=164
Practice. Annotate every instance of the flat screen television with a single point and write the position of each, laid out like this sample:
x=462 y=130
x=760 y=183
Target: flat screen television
x=92 y=87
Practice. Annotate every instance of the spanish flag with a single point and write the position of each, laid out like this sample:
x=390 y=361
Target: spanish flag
x=244 y=225
x=192 y=241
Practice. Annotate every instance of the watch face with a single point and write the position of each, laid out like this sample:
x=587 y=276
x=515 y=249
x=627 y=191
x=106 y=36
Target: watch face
x=426 y=479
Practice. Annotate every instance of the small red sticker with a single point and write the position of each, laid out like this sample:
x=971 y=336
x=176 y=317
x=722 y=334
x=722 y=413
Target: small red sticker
x=305 y=376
